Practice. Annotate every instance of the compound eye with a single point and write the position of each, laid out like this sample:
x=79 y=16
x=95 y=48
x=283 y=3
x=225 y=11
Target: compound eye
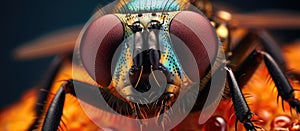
x=199 y=36
x=97 y=47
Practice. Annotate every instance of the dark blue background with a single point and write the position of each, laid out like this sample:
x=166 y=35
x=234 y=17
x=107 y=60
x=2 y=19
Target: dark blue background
x=22 y=21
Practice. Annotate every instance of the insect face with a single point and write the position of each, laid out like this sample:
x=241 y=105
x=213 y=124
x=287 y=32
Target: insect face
x=151 y=64
x=149 y=61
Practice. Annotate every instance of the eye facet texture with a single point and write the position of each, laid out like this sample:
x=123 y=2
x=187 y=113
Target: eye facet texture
x=98 y=44
x=198 y=34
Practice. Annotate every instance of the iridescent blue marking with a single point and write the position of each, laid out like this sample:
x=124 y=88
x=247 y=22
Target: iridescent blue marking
x=134 y=6
x=172 y=62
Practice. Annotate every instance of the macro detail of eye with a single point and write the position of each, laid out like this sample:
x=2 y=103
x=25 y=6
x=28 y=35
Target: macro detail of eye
x=146 y=46
x=160 y=65
x=147 y=78
x=197 y=33
x=98 y=45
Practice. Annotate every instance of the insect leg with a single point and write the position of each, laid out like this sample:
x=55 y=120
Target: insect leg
x=241 y=61
x=243 y=56
x=55 y=110
x=276 y=65
x=54 y=113
x=45 y=85
x=285 y=90
x=241 y=108
x=272 y=47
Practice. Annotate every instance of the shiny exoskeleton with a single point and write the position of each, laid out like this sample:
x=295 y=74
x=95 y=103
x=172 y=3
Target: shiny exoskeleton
x=142 y=32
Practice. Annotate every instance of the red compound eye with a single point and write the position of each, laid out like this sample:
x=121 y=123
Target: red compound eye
x=98 y=45
x=199 y=36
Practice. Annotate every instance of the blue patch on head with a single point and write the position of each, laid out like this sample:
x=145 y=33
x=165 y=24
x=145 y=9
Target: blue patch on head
x=136 y=6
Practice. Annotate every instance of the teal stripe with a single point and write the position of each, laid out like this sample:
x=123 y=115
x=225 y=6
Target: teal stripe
x=150 y=6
